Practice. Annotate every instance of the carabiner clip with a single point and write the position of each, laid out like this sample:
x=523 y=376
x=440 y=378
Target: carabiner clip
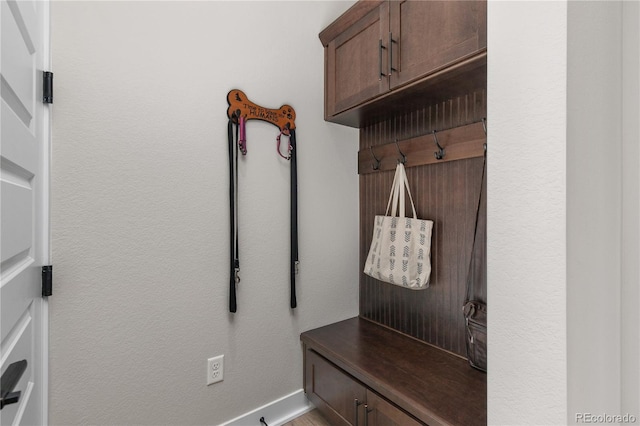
x=286 y=133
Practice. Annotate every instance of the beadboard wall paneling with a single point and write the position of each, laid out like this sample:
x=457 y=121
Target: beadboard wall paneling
x=446 y=193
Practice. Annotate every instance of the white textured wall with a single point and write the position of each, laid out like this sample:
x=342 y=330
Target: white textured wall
x=594 y=203
x=139 y=208
x=563 y=211
x=630 y=294
x=526 y=213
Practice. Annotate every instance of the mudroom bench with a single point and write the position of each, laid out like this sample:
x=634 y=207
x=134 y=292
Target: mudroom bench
x=357 y=372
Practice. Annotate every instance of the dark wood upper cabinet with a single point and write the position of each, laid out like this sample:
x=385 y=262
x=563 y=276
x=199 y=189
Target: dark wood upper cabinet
x=354 y=66
x=431 y=35
x=422 y=48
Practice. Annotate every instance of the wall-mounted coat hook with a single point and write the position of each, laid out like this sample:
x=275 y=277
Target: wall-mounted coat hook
x=404 y=157
x=376 y=162
x=461 y=142
x=440 y=153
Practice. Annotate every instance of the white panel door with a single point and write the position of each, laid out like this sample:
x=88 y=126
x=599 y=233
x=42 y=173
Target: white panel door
x=24 y=210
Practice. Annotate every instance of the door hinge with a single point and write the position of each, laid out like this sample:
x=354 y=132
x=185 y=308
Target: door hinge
x=47 y=280
x=47 y=87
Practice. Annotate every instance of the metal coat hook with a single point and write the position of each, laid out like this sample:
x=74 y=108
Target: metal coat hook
x=376 y=164
x=440 y=153
x=404 y=157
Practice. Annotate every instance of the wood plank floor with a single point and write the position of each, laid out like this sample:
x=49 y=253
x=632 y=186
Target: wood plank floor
x=312 y=418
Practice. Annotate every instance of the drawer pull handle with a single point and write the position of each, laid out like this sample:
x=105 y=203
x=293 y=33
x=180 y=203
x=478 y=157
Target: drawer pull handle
x=366 y=414
x=391 y=41
x=380 y=72
x=356 y=404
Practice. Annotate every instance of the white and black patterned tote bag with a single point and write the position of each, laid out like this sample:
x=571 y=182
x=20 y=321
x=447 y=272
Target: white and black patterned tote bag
x=400 y=250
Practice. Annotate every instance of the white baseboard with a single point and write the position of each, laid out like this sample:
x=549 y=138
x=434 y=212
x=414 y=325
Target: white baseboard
x=277 y=412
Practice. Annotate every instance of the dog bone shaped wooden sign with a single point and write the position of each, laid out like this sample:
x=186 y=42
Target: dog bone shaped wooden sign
x=239 y=105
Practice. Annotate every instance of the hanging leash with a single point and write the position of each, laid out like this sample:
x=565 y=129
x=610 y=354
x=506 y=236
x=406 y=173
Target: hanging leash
x=294 y=214
x=239 y=112
x=234 y=271
x=292 y=157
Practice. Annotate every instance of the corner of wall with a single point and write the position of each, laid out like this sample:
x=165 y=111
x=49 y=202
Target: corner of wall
x=630 y=294
x=594 y=206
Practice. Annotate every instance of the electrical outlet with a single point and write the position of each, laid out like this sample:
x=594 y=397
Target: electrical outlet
x=215 y=369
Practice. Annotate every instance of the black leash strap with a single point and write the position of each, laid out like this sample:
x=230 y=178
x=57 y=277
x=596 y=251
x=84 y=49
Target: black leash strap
x=294 y=216
x=234 y=269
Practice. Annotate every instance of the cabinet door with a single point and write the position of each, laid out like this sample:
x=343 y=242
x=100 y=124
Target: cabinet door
x=380 y=412
x=338 y=397
x=355 y=61
x=430 y=35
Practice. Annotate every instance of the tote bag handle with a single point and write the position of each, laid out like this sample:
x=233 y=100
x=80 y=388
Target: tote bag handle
x=397 y=196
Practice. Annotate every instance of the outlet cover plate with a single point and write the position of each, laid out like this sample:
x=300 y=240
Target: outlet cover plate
x=215 y=369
